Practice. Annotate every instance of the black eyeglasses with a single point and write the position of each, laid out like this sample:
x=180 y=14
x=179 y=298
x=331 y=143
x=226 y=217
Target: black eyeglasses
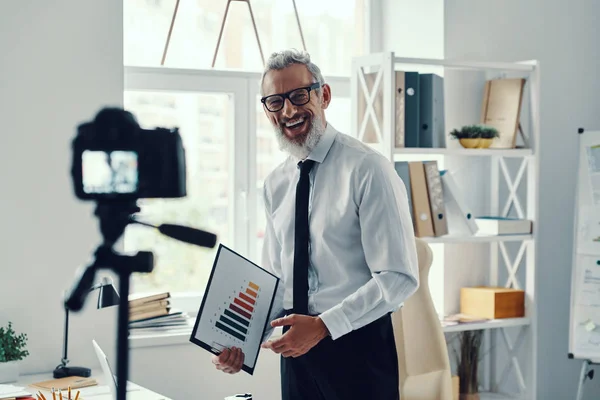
x=297 y=97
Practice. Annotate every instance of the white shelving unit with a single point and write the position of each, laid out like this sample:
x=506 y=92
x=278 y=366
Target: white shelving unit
x=512 y=340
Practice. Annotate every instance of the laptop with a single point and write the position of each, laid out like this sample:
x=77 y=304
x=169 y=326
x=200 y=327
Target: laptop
x=111 y=379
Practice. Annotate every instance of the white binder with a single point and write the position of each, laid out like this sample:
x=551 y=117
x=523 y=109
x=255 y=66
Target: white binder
x=461 y=220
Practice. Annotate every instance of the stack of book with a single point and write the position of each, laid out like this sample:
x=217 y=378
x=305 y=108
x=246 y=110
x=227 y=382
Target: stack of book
x=154 y=311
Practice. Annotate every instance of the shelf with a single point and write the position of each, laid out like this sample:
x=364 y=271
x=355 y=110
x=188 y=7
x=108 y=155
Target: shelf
x=477 y=238
x=477 y=65
x=492 y=324
x=465 y=152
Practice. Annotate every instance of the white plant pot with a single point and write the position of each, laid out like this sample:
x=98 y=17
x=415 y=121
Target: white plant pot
x=9 y=371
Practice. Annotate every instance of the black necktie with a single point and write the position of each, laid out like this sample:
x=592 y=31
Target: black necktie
x=301 y=237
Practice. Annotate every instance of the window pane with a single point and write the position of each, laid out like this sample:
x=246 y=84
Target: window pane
x=205 y=123
x=333 y=34
x=269 y=156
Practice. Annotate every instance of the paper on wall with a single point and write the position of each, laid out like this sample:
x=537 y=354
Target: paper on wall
x=588 y=217
x=587 y=307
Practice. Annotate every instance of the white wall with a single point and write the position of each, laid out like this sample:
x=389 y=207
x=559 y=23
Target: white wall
x=413 y=28
x=61 y=61
x=563 y=37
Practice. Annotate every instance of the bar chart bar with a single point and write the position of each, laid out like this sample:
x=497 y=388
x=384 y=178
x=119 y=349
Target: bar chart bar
x=237 y=318
x=232 y=324
x=243 y=305
x=247 y=298
x=230 y=331
x=240 y=311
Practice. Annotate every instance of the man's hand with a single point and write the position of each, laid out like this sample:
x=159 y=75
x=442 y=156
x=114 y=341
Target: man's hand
x=304 y=334
x=229 y=361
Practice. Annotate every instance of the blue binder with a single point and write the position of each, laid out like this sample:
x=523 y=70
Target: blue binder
x=431 y=111
x=411 y=112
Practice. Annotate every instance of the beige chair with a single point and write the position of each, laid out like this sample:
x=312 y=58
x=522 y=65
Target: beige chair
x=422 y=353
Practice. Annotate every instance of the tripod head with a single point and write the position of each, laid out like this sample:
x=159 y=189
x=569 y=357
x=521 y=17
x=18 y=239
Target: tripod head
x=114 y=218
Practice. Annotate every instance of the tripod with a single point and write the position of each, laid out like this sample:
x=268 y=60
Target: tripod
x=114 y=217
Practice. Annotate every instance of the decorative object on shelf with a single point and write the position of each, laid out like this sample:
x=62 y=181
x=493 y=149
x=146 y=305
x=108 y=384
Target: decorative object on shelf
x=492 y=302
x=475 y=136
x=13 y=349
x=468 y=363
x=501 y=109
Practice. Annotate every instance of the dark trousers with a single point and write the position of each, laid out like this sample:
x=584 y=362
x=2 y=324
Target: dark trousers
x=360 y=365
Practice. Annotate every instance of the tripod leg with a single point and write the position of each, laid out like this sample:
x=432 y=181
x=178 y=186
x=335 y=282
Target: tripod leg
x=582 y=376
x=123 y=334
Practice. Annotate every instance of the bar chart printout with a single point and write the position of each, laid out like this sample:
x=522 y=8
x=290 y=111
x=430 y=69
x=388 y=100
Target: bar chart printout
x=235 y=308
x=237 y=317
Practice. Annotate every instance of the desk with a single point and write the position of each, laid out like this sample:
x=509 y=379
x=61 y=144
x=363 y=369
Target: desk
x=135 y=393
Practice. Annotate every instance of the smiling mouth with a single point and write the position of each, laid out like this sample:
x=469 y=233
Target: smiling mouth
x=296 y=125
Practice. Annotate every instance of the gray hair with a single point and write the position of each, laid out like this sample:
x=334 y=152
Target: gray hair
x=285 y=58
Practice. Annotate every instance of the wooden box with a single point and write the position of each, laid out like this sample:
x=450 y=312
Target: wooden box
x=492 y=302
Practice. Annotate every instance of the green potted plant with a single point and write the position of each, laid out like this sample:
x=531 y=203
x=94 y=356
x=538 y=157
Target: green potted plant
x=468 y=364
x=475 y=136
x=12 y=351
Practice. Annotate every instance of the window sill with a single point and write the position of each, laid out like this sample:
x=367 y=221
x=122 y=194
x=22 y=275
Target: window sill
x=169 y=337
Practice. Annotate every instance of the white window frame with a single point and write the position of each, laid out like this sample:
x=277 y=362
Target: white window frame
x=245 y=88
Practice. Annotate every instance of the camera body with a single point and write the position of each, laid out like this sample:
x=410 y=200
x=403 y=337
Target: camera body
x=114 y=159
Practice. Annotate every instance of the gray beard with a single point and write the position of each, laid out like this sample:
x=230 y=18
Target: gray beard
x=301 y=151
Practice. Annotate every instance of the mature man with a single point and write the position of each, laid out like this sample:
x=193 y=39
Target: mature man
x=339 y=235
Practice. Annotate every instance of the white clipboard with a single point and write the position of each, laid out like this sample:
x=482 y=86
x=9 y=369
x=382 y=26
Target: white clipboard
x=235 y=307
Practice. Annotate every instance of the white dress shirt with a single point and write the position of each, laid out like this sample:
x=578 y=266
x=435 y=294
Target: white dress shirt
x=363 y=259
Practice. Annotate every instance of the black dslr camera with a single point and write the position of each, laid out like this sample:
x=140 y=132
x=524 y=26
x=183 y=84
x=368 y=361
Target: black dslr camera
x=115 y=159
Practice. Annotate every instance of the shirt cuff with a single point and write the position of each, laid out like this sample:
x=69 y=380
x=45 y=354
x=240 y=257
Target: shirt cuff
x=336 y=321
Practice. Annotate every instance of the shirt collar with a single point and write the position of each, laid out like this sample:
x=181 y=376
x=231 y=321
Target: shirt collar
x=320 y=151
